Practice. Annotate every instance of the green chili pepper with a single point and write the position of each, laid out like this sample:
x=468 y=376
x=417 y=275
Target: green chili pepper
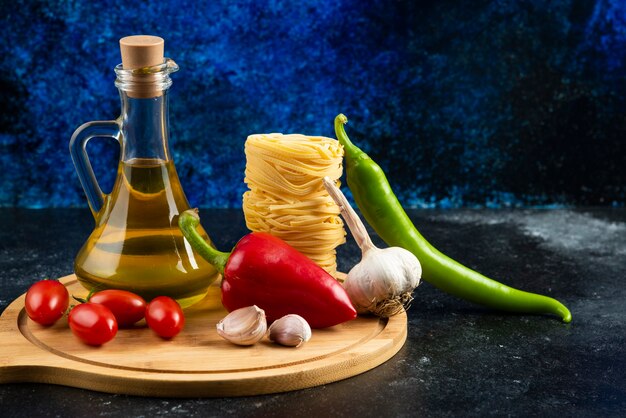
x=383 y=212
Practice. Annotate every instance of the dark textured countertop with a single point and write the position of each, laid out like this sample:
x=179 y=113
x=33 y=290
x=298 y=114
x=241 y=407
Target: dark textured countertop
x=459 y=359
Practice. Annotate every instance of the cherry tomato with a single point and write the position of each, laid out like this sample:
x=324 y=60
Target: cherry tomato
x=165 y=317
x=46 y=301
x=92 y=323
x=127 y=307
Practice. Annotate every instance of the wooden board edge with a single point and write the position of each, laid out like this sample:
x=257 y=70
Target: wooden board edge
x=199 y=385
x=14 y=346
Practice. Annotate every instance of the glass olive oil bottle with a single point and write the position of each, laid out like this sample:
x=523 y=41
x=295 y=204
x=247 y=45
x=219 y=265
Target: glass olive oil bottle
x=136 y=244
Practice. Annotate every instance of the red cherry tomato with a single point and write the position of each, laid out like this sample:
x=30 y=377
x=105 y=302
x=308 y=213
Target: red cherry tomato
x=165 y=317
x=127 y=307
x=46 y=301
x=92 y=323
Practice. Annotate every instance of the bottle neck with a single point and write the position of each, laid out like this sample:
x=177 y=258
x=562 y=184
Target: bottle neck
x=144 y=127
x=144 y=122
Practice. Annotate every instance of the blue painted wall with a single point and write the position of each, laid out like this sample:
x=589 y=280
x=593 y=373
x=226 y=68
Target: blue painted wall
x=477 y=103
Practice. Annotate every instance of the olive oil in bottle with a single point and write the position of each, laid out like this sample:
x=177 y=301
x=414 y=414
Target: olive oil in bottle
x=138 y=246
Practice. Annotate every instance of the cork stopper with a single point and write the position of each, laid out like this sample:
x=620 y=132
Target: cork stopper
x=139 y=51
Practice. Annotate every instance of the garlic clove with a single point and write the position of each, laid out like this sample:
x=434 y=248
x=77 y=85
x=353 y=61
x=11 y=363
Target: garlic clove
x=290 y=330
x=244 y=326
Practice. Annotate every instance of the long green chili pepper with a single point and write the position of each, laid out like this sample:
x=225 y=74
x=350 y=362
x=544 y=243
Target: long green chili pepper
x=383 y=212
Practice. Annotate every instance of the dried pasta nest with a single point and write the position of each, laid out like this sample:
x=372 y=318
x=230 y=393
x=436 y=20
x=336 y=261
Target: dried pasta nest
x=286 y=196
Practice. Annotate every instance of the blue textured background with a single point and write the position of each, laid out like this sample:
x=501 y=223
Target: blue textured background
x=492 y=103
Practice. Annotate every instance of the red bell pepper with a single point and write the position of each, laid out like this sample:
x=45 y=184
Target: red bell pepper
x=265 y=271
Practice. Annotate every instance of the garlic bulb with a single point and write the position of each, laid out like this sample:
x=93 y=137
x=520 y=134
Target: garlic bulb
x=244 y=326
x=383 y=281
x=290 y=330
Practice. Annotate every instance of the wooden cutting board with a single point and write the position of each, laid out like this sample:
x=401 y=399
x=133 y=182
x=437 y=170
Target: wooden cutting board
x=195 y=363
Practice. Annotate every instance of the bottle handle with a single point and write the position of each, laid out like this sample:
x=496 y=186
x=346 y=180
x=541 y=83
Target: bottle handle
x=78 y=151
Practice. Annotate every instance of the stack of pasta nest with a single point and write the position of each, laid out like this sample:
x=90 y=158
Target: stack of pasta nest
x=286 y=195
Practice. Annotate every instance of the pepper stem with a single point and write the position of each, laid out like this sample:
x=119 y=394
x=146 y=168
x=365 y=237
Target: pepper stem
x=359 y=232
x=351 y=151
x=188 y=223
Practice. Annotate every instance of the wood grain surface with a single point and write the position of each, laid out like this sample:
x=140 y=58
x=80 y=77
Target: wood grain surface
x=195 y=363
